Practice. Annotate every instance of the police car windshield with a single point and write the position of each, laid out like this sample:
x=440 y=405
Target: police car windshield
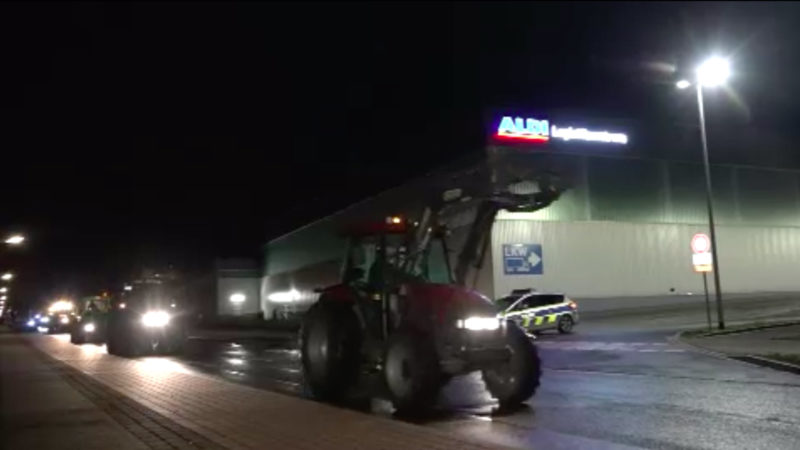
x=505 y=302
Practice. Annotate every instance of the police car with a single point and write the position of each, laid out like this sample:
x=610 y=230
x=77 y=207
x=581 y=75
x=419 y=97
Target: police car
x=536 y=311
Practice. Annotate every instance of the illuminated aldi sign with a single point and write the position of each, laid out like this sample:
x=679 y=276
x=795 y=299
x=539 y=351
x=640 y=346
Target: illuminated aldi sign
x=530 y=129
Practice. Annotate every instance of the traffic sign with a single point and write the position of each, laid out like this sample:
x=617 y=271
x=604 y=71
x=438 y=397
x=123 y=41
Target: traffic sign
x=522 y=259
x=702 y=262
x=701 y=243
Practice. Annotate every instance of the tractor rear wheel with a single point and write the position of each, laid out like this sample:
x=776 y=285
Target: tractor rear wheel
x=411 y=371
x=75 y=335
x=121 y=340
x=330 y=345
x=515 y=380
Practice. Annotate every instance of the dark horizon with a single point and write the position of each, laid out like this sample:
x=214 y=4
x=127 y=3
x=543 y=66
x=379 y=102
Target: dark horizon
x=147 y=134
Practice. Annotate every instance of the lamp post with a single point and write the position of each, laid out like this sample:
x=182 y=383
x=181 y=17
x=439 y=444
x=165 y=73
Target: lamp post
x=713 y=72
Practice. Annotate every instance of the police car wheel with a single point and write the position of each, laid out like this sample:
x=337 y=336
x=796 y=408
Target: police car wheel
x=515 y=380
x=565 y=324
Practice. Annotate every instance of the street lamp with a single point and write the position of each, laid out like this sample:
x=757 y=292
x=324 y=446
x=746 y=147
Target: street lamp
x=15 y=239
x=711 y=73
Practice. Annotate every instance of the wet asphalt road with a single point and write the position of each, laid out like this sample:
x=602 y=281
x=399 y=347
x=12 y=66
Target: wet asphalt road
x=615 y=383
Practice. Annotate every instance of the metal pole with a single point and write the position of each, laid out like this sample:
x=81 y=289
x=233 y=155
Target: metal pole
x=708 y=303
x=714 y=255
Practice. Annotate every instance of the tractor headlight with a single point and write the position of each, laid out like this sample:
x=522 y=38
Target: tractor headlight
x=152 y=319
x=89 y=328
x=479 y=323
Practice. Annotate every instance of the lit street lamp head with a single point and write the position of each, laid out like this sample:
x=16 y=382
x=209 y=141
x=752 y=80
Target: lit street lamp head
x=713 y=72
x=15 y=239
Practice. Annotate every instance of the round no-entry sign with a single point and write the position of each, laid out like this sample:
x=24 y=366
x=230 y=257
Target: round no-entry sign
x=701 y=243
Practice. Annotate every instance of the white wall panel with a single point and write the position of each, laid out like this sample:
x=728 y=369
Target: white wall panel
x=606 y=259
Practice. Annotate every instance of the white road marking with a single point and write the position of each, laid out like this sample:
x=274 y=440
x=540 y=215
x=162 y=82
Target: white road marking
x=586 y=346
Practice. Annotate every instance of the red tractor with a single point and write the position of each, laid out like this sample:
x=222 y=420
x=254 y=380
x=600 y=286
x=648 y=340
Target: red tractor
x=402 y=313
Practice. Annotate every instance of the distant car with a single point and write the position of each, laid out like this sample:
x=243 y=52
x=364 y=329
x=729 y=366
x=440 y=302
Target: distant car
x=55 y=323
x=536 y=311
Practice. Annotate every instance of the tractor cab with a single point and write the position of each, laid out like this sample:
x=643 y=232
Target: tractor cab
x=382 y=257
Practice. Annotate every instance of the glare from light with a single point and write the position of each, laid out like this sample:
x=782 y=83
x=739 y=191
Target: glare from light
x=128 y=287
x=31 y=323
x=7 y=276
x=15 y=239
x=61 y=306
x=3 y=297
x=42 y=329
x=236 y=361
x=64 y=320
x=713 y=72
x=45 y=319
x=153 y=319
x=160 y=367
x=237 y=297
x=683 y=84
x=284 y=296
x=3 y=289
x=89 y=328
x=122 y=305
x=173 y=305
x=38 y=316
x=480 y=323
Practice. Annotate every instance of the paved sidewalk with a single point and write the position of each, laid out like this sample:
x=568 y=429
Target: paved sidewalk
x=238 y=417
x=785 y=340
x=41 y=410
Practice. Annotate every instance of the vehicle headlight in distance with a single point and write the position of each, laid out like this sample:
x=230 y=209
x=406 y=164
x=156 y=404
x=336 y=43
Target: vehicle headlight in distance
x=45 y=320
x=65 y=320
x=479 y=323
x=31 y=323
x=89 y=328
x=155 y=319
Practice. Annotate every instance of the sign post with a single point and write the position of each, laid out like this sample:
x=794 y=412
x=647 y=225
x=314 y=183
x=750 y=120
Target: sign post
x=703 y=263
x=708 y=302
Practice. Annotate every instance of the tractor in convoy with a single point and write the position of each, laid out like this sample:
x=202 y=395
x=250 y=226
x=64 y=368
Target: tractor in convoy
x=91 y=321
x=148 y=318
x=402 y=311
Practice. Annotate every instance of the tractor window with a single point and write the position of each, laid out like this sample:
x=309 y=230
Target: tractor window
x=437 y=270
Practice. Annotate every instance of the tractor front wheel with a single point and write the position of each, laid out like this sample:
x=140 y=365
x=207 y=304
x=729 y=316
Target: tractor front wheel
x=515 y=380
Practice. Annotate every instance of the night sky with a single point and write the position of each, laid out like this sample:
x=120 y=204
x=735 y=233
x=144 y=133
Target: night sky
x=145 y=134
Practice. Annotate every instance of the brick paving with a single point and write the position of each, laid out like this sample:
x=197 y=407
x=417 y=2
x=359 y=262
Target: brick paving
x=240 y=417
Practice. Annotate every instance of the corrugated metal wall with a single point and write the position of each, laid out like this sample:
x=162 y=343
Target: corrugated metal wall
x=632 y=235
x=623 y=228
x=604 y=259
